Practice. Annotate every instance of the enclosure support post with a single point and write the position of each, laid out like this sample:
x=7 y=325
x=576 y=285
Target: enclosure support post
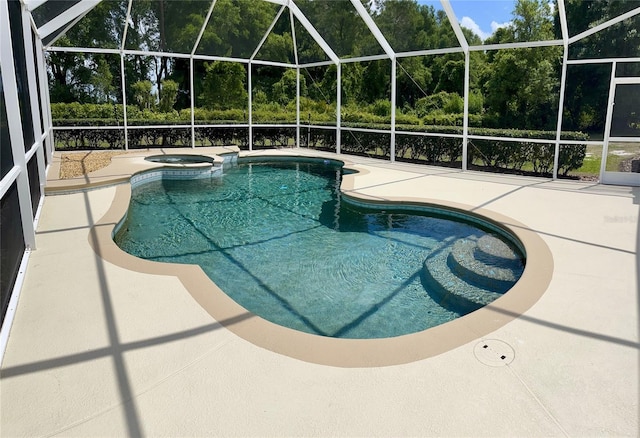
x=19 y=172
x=465 y=123
x=392 y=146
x=297 y=61
x=298 y=106
x=338 y=105
x=35 y=104
x=249 y=86
x=124 y=101
x=607 y=123
x=556 y=153
x=193 y=119
x=44 y=89
x=47 y=145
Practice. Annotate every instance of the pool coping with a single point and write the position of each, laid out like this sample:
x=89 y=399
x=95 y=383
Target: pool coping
x=345 y=352
x=124 y=166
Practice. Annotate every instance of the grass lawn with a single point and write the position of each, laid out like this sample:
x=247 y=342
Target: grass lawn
x=618 y=153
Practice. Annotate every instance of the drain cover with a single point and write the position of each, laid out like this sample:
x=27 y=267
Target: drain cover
x=494 y=353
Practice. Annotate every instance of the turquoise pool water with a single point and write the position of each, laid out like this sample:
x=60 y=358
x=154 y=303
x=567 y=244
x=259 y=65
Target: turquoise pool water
x=281 y=240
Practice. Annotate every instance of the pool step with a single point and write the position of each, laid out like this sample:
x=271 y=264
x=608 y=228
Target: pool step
x=494 y=251
x=471 y=273
x=465 y=263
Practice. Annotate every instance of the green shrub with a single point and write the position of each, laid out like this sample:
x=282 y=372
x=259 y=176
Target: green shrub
x=431 y=150
x=571 y=157
x=476 y=102
x=455 y=104
x=508 y=155
x=371 y=144
x=493 y=154
x=318 y=138
x=273 y=137
x=222 y=136
x=406 y=119
x=381 y=107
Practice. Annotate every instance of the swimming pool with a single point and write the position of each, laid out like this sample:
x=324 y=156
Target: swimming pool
x=282 y=240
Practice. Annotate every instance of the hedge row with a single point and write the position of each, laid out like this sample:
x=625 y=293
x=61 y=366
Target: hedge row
x=318 y=138
x=64 y=114
x=273 y=137
x=489 y=154
x=538 y=158
x=515 y=156
x=67 y=139
x=483 y=153
x=67 y=114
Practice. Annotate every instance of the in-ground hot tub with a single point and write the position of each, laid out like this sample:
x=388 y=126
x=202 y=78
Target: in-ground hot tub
x=180 y=159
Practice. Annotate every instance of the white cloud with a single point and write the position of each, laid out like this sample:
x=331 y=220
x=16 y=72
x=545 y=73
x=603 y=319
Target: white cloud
x=495 y=26
x=473 y=27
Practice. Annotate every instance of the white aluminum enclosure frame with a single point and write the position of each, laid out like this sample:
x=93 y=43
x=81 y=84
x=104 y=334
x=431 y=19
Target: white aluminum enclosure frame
x=23 y=154
x=613 y=177
x=463 y=47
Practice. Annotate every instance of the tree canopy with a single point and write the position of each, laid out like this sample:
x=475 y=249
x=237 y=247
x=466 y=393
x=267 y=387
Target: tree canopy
x=516 y=88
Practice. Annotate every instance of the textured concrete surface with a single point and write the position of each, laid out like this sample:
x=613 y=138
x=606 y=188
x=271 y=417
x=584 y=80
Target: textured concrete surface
x=99 y=350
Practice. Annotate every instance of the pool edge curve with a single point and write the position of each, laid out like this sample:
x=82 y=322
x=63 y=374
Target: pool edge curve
x=346 y=352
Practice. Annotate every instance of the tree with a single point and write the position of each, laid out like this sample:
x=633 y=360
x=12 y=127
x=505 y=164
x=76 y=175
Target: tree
x=413 y=79
x=168 y=95
x=284 y=91
x=102 y=82
x=85 y=77
x=452 y=77
x=351 y=76
x=236 y=27
x=77 y=77
x=532 y=21
x=404 y=24
x=277 y=48
x=224 y=86
x=376 y=81
x=439 y=103
x=521 y=87
x=341 y=27
x=142 y=94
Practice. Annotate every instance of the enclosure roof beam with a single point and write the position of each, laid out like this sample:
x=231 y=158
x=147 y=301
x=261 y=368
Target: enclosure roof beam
x=126 y=25
x=602 y=60
x=65 y=49
x=317 y=64
x=32 y=4
x=293 y=37
x=373 y=28
x=266 y=34
x=365 y=58
x=312 y=31
x=563 y=22
x=518 y=45
x=604 y=25
x=66 y=28
x=204 y=26
x=453 y=20
x=429 y=52
x=71 y=14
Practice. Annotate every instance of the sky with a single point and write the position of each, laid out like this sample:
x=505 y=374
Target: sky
x=482 y=17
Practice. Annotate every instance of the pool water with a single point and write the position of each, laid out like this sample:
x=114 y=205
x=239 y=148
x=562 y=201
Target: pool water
x=281 y=240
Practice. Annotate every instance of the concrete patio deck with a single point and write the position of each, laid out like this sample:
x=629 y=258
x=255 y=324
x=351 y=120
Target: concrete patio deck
x=99 y=350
